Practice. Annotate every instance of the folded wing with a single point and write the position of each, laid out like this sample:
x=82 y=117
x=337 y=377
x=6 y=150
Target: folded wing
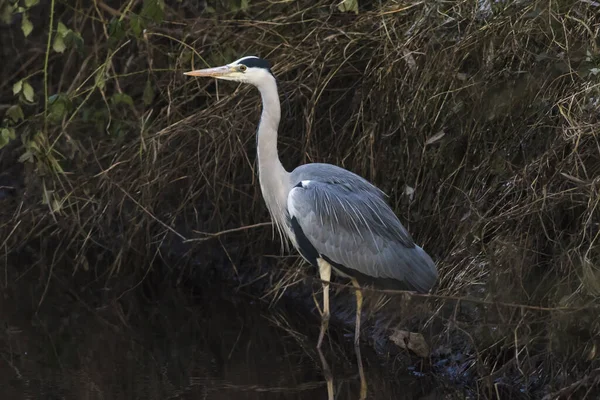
x=353 y=226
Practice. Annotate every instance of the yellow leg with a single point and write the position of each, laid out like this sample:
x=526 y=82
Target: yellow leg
x=325 y=274
x=327 y=374
x=361 y=372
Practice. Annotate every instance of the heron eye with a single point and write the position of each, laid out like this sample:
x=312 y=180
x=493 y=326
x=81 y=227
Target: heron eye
x=243 y=68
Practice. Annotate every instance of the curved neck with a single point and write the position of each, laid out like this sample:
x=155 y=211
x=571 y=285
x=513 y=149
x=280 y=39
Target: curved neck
x=267 y=128
x=274 y=179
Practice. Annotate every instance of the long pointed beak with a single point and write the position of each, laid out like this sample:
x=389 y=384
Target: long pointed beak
x=216 y=72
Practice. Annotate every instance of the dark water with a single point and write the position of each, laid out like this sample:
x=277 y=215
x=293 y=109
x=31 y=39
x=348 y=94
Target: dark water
x=217 y=344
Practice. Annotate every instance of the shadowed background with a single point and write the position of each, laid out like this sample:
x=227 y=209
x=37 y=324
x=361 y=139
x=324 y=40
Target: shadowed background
x=478 y=120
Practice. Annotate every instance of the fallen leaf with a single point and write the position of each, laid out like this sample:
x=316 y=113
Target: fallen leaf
x=412 y=341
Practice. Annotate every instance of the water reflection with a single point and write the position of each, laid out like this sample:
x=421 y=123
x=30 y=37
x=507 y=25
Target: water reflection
x=213 y=345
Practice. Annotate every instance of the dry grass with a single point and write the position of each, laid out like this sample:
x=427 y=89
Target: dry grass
x=492 y=119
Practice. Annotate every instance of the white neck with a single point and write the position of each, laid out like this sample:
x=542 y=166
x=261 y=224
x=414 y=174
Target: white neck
x=267 y=129
x=274 y=179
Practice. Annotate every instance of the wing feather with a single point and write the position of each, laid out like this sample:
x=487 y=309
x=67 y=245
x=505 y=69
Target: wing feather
x=352 y=225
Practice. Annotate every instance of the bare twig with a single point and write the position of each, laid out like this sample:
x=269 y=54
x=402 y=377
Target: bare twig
x=149 y=213
x=217 y=234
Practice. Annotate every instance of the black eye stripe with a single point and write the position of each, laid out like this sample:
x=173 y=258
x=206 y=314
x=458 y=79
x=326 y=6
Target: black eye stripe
x=256 y=63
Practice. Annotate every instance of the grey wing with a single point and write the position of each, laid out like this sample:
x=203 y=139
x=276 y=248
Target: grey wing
x=347 y=220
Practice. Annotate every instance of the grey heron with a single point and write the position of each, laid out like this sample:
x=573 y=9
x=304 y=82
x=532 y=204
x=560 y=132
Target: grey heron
x=336 y=219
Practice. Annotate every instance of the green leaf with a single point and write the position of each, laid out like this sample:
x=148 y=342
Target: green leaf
x=62 y=30
x=148 y=95
x=9 y=133
x=31 y=3
x=119 y=98
x=17 y=87
x=6 y=13
x=59 y=106
x=32 y=145
x=59 y=44
x=15 y=113
x=116 y=32
x=28 y=92
x=74 y=39
x=6 y=135
x=26 y=25
x=136 y=24
x=348 y=5
x=58 y=110
x=26 y=157
x=115 y=28
x=154 y=9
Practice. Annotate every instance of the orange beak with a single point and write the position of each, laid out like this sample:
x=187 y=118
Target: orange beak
x=216 y=72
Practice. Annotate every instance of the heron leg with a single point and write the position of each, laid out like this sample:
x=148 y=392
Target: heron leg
x=361 y=372
x=327 y=374
x=325 y=274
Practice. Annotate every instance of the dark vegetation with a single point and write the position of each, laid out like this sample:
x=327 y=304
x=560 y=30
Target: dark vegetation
x=481 y=123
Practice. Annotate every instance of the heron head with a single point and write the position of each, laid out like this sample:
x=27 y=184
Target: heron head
x=250 y=69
